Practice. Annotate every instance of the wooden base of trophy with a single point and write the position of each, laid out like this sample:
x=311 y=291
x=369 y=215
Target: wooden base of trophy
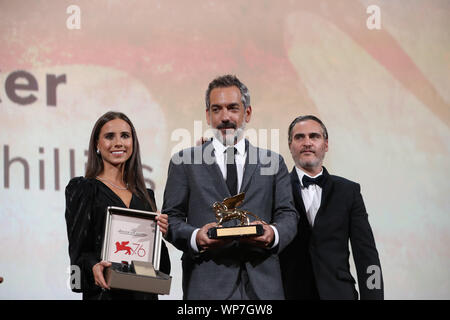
x=238 y=231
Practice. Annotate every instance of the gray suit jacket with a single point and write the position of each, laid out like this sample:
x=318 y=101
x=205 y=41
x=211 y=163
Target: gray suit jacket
x=194 y=183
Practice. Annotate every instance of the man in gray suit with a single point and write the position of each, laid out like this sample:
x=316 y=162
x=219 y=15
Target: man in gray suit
x=234 y=268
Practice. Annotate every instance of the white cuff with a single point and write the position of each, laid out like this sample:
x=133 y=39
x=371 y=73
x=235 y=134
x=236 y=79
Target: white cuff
x=277 y=238
x=194 y=241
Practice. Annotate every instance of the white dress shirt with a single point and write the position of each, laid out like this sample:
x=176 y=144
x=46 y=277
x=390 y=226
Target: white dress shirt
x=311 y=196
x=239 y=158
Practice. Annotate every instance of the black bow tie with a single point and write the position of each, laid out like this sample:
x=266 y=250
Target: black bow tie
x=307 y=181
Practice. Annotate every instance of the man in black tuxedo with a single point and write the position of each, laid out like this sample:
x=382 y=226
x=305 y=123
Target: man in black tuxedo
x=315 y=265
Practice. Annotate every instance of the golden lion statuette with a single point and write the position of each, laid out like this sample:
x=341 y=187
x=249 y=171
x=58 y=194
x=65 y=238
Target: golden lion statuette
x=226 y=211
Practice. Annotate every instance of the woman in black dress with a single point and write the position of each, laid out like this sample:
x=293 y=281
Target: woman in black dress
x=113 y=178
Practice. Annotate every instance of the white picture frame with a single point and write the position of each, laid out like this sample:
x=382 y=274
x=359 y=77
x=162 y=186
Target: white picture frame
x=131 y=235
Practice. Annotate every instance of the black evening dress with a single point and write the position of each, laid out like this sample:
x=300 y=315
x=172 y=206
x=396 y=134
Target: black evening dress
x=86 y=203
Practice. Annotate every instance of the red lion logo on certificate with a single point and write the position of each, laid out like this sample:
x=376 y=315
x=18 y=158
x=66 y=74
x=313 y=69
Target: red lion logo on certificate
x=123 y=247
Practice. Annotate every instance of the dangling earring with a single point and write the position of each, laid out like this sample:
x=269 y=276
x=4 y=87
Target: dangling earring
x=98 y=151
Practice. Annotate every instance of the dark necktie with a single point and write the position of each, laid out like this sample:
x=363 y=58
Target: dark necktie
x=308 y=181
x=231 y=171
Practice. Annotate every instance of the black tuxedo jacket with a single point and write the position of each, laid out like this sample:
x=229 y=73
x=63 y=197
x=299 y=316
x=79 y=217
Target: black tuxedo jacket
x=316 y=262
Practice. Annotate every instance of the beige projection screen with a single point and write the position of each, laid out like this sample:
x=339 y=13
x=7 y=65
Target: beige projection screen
x=376 y=72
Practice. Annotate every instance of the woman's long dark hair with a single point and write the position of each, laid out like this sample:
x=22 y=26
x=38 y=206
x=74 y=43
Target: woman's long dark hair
x=132 y=174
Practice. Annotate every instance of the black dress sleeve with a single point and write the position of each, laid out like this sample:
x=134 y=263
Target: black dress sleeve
x=164 y=263
x=80 y=194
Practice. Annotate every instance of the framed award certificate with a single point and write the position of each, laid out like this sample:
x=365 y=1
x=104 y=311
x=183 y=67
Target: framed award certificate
x=131 y=235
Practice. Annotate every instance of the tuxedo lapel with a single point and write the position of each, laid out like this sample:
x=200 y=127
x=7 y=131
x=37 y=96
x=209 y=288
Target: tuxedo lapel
x=326 y=192
x=296 y=190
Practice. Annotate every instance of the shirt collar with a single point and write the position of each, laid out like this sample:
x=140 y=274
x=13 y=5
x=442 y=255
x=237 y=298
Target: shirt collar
x=219 y=148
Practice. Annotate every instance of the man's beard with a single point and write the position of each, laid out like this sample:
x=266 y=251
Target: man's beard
x=310 y=163
x=232 y=133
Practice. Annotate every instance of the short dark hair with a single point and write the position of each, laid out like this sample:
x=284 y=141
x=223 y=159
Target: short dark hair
x=304 y=118
x=226 y=81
